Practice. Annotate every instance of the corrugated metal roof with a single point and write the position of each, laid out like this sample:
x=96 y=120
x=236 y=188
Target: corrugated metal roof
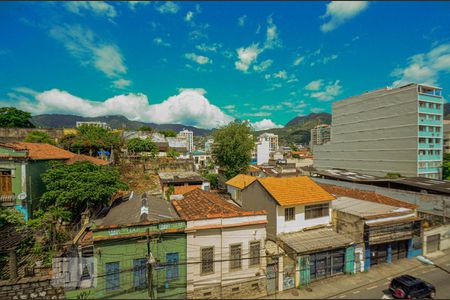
x=315 y=240
x=364 y=209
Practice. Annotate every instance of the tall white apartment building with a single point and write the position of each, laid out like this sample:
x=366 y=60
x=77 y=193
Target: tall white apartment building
x=189 y=136
x=271 y=138
x=390 y=130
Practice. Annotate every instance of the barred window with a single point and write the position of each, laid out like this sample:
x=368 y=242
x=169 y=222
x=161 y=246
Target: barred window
x=255 y=252
x=207 y=266
x=289 y=214
x=316 y=211
x=235 y=257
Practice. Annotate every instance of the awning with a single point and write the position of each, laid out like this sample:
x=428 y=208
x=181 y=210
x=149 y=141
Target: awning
x=311 y=241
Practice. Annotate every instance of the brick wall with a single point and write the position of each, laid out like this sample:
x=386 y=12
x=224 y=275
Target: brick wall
x=30 y=288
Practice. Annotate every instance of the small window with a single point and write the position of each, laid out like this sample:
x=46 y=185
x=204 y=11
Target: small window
x=207 y=294
x=172 y=266
x=235 y=257
x=139 y=273
x=255 y=253
x=289 y=214
x=316 y=211
x=207 y=266
x=235 y=289
x=112 y=276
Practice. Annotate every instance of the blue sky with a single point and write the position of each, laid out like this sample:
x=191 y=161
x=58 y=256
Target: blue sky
x=205 y=63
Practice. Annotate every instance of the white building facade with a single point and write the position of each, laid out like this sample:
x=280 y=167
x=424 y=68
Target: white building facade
x=189 y=136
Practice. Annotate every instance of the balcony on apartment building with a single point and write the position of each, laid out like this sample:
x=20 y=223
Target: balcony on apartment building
x=426 y=157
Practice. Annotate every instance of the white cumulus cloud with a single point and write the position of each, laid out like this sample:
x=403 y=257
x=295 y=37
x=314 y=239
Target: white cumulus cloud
x=339 y=12
x=189 y=107
x=425 y=67
x=200 y=59
x=328 y=92
x=247 y=56
x=168 y=8
x=314 y=85
x=264 y=124
x=159 y=41
x=99 y=8
x=241 y=20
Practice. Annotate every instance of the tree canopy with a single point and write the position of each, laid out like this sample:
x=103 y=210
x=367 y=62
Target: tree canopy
x=81 y=185
x=446 y=166
x=233 y=145
x=172 y=153
x=39 y=137
x=13 y=117
x=91 y=138
x=138 y=145
x=145 y=128
x=168 y=133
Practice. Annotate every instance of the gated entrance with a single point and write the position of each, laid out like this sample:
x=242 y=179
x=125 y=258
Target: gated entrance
x=272 y=277
x=326 y=264
x=433 y=243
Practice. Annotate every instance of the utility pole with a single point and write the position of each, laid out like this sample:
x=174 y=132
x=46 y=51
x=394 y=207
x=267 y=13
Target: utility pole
x=149 y=267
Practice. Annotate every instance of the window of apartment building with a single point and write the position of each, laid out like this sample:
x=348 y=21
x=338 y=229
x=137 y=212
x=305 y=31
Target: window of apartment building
x=422 y=152
x=438 y=106
x=421 y=104
x=422 y=140
x=112 y=271
x=437 y=117
x=5 y=183
x=255 y=252
x=207 y=266
x=422 y=128
x=316 y=211
x=437 y=141
x=172 y=266
x=235 y=256
x=289 y=214
x=437 y=129
x=139 y=273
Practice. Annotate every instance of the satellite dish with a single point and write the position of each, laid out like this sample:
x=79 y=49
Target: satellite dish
x=22 y=196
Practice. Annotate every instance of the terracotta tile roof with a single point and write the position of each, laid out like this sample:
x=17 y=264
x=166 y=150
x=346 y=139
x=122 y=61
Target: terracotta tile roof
x=42 y=151
x=295 y=190
x=80 y=157
x=241 y=181
x=199 y=204
x=366 y=195
x=183 y=189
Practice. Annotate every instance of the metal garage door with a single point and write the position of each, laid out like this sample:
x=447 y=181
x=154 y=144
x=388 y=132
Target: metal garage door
x=399 y=249
x=325 y=264
x=433 y=243
x=378 y=254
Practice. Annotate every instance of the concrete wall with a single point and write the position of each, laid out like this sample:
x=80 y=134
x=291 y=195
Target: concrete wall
x=221 y=239
x=443 y=231
x=255 y=197
x=373 y=133
x=31 y=288
x=8 y=135
x=234 y=192
x=299 y=223
x=262 y=152
x=428 y=203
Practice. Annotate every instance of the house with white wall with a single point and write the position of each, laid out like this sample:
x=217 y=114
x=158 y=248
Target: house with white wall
x=228 y=244
x=299 y=219
x=236 y=184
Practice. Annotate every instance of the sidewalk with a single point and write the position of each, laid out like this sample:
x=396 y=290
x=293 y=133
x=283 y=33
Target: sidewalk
x=331 y=287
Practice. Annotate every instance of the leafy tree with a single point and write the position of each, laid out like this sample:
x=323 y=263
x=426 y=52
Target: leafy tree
x=393 y=175
x=91 y=138
x=172 y=153
x=145 y=128
x=213 y=180
x=39 y=137
x=13 y=117
x=10 y=216
x=138 y=145
x=446 y=166
x=79 y=186
x=232 y=149
x=168 y=133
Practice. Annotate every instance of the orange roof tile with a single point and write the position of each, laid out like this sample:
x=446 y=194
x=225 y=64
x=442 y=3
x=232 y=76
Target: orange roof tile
x=295 y=190
x=42 y=151
x=366 y=195
x=199 y=204
x=183 y=189
x=241 y=181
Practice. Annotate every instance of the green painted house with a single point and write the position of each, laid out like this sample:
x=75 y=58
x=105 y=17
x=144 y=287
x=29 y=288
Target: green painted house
x=21 y=167
x=120 y=243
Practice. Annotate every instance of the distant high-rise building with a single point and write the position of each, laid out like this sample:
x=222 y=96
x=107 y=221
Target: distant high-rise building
x=189 y=136
x=446 y=136
x=271 y=138
x=208 y=145
x=320 y=135
x=262 y=152
x=390 y=130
